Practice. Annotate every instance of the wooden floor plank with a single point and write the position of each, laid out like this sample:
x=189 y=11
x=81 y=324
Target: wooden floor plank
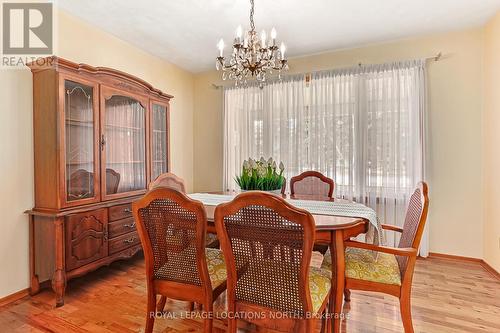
x=448 y=296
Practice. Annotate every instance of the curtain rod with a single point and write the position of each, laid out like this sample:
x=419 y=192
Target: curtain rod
x=435 y=58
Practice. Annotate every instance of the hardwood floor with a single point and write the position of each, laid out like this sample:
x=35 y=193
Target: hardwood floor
x=448 y=296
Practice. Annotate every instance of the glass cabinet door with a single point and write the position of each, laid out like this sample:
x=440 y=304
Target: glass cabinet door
x=79 y=135
x=124 y=144
x=159 y=141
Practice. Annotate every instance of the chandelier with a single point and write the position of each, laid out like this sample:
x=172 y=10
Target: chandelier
x=252 y=56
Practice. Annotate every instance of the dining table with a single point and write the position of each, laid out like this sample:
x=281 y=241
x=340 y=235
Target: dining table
x=330 y=230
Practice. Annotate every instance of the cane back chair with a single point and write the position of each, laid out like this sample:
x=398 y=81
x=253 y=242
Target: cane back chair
x=267 y=244
x=172 y=229
x=391 y=270
x=170 y=180
x=312 y=183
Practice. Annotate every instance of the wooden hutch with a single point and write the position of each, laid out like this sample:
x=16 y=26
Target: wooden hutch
x=100 y=136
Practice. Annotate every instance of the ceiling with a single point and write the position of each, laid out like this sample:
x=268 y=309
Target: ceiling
x=185 y=32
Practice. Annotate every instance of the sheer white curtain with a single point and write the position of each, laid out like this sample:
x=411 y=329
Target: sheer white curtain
x=363 y=127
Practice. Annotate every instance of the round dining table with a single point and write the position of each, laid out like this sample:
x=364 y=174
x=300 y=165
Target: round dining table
x=331 y=230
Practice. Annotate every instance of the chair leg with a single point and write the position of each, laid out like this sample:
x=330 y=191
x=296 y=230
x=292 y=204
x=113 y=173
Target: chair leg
x=161 y=304
x=208 y=321
x=232 y=325
x=347 y=295
x=405 y=306
x=323 y=320
x=150 y=313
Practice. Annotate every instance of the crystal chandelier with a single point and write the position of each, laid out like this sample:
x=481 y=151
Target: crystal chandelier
x=252 y=56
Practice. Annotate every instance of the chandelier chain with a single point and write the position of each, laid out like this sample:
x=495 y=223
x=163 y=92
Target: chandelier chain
x=252 y=5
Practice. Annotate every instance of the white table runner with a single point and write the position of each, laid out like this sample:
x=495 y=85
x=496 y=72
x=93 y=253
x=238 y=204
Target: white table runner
x=331 y=208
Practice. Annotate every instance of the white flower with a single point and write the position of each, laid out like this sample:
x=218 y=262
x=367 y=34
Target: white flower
x=262 y=171
x=262 y=160
x=252 y=164
x=245 y=165
x=282 y=166
x=270 y=161
x=274 y=165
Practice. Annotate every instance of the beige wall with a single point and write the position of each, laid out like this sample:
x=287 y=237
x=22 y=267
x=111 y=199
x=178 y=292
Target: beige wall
x=78 y=42
x=491 y=138
x=454 y=156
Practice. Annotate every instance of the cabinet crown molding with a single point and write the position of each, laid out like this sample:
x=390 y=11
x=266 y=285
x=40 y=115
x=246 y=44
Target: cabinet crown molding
x=118 y=78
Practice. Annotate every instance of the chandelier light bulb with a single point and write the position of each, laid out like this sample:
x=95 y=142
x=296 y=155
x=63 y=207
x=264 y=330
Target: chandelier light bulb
x=263 y=38
x=282 y=50
x=239 y=32
x=273 y=34
x=220 y=46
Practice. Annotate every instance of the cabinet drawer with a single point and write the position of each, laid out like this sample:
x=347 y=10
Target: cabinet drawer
x=120 y=227
x=120 y=212
x=123 y=242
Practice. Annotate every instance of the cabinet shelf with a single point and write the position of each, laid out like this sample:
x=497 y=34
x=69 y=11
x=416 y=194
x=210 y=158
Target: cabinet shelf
x=124 y=162
x=124 y=128
x=80 y=123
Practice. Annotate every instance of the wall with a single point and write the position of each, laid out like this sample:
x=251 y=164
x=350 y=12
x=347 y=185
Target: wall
x=491 y=138
x=78 y=42
x=454 y=155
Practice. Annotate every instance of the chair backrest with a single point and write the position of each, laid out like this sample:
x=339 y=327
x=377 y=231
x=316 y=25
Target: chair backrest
x=283 y=187
x=169 y=180
x=80 y=184
x=172 y=230
x=312 y=183
x=112 y=181
x=267 y=245
x=413 y=228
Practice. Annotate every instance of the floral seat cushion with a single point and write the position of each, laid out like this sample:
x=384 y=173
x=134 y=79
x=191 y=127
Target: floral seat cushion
x=216 y=267
x=361 y=264
x=319 y=286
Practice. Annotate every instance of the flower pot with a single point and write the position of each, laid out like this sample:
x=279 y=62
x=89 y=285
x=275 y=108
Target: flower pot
x=275 y=192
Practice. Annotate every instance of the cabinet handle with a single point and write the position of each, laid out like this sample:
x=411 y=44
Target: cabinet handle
x=131 y=226
x=127 y=210
x=129 y=241
x=102 y=142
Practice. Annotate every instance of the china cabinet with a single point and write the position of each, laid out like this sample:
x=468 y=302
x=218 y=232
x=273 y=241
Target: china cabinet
x=100 y=136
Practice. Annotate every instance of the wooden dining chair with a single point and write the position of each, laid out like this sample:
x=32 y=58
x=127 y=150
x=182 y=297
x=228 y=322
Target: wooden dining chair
x=267 y=244
x=168 y=179
x=112 y=181
x=283 y=187
x=312 y=183
x=390 y=271
x=80 y=184
x=172 y=229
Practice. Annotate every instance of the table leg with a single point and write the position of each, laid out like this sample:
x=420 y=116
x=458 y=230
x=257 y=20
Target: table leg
x=338 y=274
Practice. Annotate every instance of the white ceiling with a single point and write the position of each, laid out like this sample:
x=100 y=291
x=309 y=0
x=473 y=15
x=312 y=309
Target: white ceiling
x=185 y=32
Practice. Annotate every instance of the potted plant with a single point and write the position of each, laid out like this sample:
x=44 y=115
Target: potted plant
x=261 y=175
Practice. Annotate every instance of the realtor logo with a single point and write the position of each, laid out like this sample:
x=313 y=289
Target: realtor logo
x=27 y=28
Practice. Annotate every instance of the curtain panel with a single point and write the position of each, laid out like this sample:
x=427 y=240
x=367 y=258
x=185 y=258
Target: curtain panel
x=363 y=127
